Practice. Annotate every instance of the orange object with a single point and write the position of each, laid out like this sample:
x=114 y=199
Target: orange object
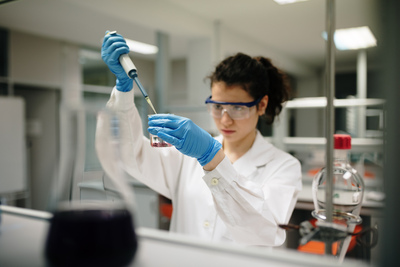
x=318 y=247
x=368 y=174
x=313 y=172
x=166 y=210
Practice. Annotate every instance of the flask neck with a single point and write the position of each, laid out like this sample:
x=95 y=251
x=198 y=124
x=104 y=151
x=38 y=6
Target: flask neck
x=341 y=155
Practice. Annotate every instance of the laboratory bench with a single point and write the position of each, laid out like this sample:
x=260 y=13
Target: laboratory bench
x=23 y=233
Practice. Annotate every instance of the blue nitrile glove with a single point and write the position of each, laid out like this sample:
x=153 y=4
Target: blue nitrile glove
x=113 y=46
x=186 y=136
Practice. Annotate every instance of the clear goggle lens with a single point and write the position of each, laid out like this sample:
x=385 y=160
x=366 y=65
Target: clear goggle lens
x=235 y=112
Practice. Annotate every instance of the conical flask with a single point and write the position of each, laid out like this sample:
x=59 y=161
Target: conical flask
x=348 y=186
x=92 y=224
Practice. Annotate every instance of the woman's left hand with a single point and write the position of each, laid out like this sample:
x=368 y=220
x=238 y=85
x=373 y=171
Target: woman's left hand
x=185 y=135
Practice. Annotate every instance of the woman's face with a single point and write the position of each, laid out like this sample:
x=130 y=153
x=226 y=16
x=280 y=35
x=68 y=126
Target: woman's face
x=236 y=130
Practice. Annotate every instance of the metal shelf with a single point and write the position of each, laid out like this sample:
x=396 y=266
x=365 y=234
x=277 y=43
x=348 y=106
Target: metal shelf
x=373 y=143
x=320 y=102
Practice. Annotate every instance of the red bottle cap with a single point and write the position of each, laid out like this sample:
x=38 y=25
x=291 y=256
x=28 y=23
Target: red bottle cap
x=342 y=141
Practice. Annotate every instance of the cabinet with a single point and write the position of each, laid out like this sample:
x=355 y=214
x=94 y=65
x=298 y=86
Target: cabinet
x=13 y=163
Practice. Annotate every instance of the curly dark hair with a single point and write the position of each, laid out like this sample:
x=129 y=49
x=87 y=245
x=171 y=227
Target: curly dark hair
x=257 y=76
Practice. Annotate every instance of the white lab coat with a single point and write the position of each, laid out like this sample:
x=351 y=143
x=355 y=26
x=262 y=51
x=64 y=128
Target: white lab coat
x=241 y=202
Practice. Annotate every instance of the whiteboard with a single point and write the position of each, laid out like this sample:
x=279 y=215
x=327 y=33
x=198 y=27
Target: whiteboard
x=13 y=167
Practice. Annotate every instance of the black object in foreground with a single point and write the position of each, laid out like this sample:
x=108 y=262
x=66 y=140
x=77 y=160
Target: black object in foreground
x=91 y=238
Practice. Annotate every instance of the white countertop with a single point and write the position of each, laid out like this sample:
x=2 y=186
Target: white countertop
x=22 y=241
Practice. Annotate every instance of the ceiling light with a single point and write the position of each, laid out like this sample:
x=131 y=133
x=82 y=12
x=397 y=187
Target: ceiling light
x=285 y=2
x=353 y=38
x=141 y=48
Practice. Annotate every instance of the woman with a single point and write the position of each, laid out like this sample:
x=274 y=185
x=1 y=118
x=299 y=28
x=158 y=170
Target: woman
x=236 y=187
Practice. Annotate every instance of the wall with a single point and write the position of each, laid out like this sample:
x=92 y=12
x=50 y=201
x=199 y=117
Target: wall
x=35 y=60
x=145 y=72
x=231 y=43
x=178 y=90
x=309 y=122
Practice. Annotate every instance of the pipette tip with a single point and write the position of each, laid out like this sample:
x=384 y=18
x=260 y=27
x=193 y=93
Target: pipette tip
x=151 y=105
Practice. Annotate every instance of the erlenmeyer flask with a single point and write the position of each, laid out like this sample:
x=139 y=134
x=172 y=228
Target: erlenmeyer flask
x=91 y=226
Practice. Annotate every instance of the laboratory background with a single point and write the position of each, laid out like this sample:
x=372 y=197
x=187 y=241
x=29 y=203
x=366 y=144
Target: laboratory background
x=50 y=62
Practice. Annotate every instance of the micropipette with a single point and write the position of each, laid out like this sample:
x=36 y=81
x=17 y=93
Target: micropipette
x=131 y=71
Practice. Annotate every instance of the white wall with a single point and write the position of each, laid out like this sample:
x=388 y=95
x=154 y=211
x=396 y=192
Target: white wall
x=178 y=90
x=35 y=60
x=231 y=43
x=309 y=122
x=146 y=75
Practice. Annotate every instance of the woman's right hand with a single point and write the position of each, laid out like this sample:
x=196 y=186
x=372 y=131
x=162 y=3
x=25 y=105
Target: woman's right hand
x=114 y=45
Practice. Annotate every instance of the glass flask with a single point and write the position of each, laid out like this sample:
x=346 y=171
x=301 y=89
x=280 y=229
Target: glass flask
x=156 y=141
x=347 y=190
x=91 y=201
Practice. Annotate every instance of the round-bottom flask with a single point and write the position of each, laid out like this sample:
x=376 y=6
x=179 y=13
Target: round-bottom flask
x=348 y=187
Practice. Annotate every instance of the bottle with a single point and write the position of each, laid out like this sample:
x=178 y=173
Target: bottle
x=348 y=186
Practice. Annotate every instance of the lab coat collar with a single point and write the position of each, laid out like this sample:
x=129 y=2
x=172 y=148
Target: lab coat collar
x=258 y=155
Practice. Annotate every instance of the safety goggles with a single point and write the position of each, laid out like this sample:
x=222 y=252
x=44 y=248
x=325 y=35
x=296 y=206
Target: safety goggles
x=237 y=111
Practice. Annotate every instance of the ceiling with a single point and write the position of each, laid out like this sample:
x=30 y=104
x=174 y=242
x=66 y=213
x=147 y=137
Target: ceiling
x=293 y=30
